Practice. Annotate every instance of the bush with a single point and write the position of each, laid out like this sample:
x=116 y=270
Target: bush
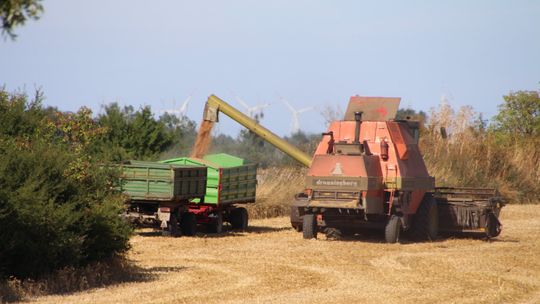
x=57 y=206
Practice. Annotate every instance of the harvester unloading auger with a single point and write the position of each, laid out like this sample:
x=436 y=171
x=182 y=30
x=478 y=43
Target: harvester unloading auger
x=367 y=171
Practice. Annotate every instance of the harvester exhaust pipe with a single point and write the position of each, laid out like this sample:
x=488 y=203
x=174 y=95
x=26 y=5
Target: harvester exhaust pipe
x=358 y=119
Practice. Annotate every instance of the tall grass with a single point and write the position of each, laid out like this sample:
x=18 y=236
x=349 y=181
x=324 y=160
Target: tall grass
x=275 y=191
x=475 y=156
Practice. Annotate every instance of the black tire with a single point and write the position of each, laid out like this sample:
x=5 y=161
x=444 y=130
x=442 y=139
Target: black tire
x=297 y=227
x=425 y=225
x=493 y=226
x=173 y=225
x=217 y=225
x=239 y=219
x=188 y=224
x=392 y=231
x=309 y=226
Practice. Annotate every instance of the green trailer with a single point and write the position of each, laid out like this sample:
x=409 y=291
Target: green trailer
x=230 y=183
x=158 y=193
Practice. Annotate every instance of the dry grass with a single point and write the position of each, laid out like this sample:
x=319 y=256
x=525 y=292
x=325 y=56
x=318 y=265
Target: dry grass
x=113 y=271
x=275 y=191
x=470 y=156
x=273 y=264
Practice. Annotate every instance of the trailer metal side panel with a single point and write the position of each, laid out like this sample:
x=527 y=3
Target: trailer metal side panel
x=238 y=184
x=229 y=181
x=152 y=181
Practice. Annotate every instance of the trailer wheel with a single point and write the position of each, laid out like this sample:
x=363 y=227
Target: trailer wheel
x=297 y=227
x=188 y=224
x=392 y=230
x=426 y=220
x=239 y=218
x=217 y=225
x=173 y=225
x=309 y=227
x=493 y=226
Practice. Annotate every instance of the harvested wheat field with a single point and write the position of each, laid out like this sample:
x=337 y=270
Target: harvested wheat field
x=271 y=263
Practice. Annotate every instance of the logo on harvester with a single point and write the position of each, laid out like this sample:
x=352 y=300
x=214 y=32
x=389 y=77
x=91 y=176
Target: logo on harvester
x=336 y=182
x=337 y=170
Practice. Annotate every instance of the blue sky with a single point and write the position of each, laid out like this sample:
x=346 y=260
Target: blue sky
x=313 y=53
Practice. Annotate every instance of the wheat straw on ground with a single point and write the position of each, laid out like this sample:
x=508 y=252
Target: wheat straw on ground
x=270 y=263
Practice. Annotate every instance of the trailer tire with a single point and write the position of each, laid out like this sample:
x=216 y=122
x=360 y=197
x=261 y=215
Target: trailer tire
x=217 y=224
x=425 y=225
x=188 y=224
x=493 y=226
x=239 y=218
x=172 y=225
x=309 y=227
x=392 y=229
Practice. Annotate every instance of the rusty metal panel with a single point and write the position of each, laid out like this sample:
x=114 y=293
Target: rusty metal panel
x=398 y=139
x=373 y=108
x=464 y=209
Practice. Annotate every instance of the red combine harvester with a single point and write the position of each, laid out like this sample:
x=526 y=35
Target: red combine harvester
x=368 y=172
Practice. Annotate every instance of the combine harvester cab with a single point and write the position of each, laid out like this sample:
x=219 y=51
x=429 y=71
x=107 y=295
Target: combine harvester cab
x=230 y=183
x=368 y=172
x=160 y=194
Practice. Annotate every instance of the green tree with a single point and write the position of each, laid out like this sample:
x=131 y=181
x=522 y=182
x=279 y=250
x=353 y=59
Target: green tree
x=519 y=114
x=409 y=113
x=15 y=13
x=133 y=134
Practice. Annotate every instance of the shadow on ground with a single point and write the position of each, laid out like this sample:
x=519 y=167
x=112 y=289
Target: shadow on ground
x=70 y=280
x=377 y=236
x=205 y=232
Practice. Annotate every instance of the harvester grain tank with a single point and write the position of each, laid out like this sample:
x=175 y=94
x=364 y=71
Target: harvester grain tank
x=367 y=171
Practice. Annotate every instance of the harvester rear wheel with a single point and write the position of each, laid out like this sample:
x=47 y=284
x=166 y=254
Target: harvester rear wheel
x=188 y=224
x=309 y=227
x=426 y=220
x=239 y=218
x=392 y=230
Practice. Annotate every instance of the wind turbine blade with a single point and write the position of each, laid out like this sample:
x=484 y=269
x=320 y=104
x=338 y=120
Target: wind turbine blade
x=304 y=110
x=183 y=107
x=260 y=107
x=288 y=105
x=241 y=102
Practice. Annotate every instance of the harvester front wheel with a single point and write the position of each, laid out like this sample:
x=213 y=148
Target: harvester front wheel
x=426 y=220
x=309 y=227
x=239 y=218
x=188 y=224
x=392 y=230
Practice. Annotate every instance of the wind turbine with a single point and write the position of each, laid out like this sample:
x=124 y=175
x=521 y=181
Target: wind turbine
x=251 y=111
x=180 y=112
x=295 y=115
